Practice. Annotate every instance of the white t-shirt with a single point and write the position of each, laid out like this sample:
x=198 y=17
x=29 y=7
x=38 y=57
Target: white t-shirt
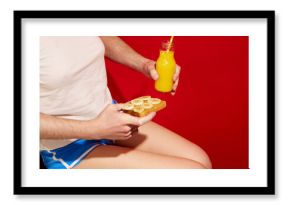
x=73 y=80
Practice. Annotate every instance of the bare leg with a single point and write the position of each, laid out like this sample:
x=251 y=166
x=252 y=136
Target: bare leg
x=115 y=157
x=157 y=139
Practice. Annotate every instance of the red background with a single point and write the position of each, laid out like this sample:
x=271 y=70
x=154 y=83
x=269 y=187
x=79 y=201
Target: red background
x=210 y=107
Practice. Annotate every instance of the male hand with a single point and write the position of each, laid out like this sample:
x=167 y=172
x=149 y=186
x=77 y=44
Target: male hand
x=150 y=71
x=113 y=124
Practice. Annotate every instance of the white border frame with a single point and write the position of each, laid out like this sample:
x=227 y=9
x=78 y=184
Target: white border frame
x=256 y=176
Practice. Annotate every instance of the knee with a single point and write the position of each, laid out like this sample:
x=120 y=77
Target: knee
x=205 y=160
x=202 y=158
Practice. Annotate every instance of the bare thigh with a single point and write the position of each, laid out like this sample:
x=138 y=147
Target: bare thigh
x=155 y=138
x=115 y=157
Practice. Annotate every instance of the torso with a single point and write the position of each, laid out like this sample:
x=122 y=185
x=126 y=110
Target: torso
x=73 y=80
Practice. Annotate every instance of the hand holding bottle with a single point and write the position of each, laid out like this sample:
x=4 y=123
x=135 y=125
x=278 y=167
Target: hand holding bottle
x=150 y=70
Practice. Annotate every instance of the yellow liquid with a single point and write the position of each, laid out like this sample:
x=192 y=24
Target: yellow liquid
x=165 y=67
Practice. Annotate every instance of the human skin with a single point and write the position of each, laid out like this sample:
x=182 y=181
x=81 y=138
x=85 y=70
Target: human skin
x=119 y=51
x=109 y=124
x=152 y=147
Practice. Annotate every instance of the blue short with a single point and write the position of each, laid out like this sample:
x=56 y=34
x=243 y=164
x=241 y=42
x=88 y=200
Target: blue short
x=68 y=156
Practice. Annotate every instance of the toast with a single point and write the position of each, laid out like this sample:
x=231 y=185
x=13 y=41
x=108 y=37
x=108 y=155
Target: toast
x=143 y=106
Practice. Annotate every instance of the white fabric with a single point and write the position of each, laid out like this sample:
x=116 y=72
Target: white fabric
x=73 y=80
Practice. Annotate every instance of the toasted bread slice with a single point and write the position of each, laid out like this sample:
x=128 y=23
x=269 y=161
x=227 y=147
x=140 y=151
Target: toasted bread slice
x=143 y=106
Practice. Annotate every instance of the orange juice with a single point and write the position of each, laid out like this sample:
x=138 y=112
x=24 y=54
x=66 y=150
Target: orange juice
x=165 y=67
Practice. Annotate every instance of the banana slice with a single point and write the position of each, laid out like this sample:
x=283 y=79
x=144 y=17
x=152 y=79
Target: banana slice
x=155 y=101
x=147 y=97
x=128 y=106
x=137 y=102
x=147 y=105
x=144 y=105
x=138 y=109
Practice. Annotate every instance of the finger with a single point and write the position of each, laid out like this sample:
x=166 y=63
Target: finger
x=175 y=85
x=147 y=118
x=154 y=75
x=117 y=136
x=130 y=120
x=152 y=71
x=177 y=72
x=127 y=137
x=128 y=134
x=122 y=137
x=118 y=106
x=126 y=129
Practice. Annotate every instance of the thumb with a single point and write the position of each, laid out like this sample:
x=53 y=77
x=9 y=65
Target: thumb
x=152 y=71
x=118 y=106
x=147 y=118
x=137 y=121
